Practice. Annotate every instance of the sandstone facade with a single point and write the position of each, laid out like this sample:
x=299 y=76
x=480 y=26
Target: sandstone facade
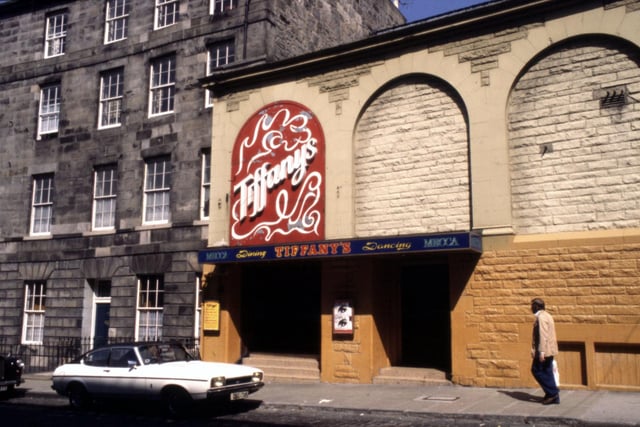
x=516 y=123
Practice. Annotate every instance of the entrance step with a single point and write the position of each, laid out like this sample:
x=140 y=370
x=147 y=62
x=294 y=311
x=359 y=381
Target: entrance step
x=279 y=368
x=411 y=376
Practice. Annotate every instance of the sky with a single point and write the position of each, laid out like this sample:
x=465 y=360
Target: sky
x=415 y=10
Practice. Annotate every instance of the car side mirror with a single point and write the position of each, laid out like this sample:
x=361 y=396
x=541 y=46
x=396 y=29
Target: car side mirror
x=132 y=364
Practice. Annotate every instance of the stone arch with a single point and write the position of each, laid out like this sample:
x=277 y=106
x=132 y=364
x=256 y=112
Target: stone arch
x=37 y=270
x=411 y=160
x=151 y=263
x=100 y=268
x=574 y=159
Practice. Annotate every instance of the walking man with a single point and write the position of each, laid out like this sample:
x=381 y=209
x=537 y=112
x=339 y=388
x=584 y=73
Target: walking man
x=544 y=348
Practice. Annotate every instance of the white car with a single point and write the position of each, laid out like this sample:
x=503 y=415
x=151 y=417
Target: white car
x=152 y=371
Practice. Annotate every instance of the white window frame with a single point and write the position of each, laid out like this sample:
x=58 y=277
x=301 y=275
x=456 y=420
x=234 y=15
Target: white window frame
x=105 y=187
x=166 y=13
x=49 y=109
x=42 y=205
x=218 y=7
x=219 y=55
x=111 y=97
x=150 y=308
x=55 y=34
x=34 y=312
x=157 y=191
x=205 y=185
x=116 y=21
x=162 y=86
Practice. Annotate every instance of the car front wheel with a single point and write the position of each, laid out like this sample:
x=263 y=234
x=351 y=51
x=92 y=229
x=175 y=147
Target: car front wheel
x=177 y=401
x=79 y=398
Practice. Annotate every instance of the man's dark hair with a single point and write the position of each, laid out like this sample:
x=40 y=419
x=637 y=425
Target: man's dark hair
x=537 y=304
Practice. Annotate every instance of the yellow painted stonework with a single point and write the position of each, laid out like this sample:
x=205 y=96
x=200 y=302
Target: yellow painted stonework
x=589 y=281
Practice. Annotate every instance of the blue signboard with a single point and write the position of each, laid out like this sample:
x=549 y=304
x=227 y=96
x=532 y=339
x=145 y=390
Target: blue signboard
x=341 y=248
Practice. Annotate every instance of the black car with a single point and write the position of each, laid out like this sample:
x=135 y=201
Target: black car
x=11 y=368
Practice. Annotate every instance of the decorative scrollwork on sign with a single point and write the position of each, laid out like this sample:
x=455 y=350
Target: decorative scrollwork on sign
x=277 y=181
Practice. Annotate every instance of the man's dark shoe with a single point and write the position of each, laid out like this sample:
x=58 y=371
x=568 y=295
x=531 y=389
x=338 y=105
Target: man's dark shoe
x=551 y=400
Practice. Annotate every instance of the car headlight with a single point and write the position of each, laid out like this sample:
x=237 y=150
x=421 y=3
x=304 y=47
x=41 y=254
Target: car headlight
x=17 y=363
x=256 y=377
x=218 y=382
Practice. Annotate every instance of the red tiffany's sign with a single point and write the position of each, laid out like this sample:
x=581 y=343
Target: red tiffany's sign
x=277 y=177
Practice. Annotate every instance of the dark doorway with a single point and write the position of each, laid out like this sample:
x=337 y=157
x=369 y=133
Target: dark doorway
x=281 y=308
x=101 y=328
x=426 y=322
x=102 y=309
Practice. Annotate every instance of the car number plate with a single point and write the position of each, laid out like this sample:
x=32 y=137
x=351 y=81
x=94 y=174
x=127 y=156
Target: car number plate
x=4 y=388
x=238 y=395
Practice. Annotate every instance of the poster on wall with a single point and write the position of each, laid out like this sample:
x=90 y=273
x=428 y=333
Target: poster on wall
x=343 y=317
x=277 y=177
x=211 y=316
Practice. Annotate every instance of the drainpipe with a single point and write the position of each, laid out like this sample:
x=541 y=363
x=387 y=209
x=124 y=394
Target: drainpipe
x=246 y=28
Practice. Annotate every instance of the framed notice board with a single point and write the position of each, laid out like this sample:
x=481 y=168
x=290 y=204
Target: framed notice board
x=211 y=316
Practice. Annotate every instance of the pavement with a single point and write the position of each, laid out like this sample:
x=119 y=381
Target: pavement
x=486 y=406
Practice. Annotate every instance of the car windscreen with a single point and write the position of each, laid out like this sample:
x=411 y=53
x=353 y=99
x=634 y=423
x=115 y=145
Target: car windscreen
x=162 y=353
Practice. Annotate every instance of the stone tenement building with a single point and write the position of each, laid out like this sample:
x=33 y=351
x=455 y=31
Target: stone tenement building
x=397 y=202
x=105 y=135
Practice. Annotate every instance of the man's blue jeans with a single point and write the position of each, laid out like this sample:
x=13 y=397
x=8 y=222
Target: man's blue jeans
x=543 y=373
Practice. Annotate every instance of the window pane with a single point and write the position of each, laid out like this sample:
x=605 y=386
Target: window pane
x=150 y=326
x=34 y=311
x=43 y=189
x=163 y=79
x=221 y=54
x=157 y=191
x=112 y=84
x=106 y=181
x=104 y=198
x=220 y=6
x=206 y=184
x=42 y=204
x=116 y=20
x=157 y=207
x=158 y=174
x=163 y=100
x=111 y=94
x=105 y=213
x=56 y=35
x=42 y=220
x=150 y=307
x=166 y=13
x=49 y=109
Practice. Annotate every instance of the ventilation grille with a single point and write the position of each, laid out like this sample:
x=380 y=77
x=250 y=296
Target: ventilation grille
x=614 y=96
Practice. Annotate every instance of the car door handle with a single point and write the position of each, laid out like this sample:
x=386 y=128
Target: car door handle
x=106 y=370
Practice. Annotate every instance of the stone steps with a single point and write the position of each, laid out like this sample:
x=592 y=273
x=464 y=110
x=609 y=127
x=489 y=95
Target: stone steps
x=280 y=368
x=411 y=376
x=286 y=368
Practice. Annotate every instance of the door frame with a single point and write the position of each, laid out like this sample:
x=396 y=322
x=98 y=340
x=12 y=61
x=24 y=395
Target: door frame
x=99 y=300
